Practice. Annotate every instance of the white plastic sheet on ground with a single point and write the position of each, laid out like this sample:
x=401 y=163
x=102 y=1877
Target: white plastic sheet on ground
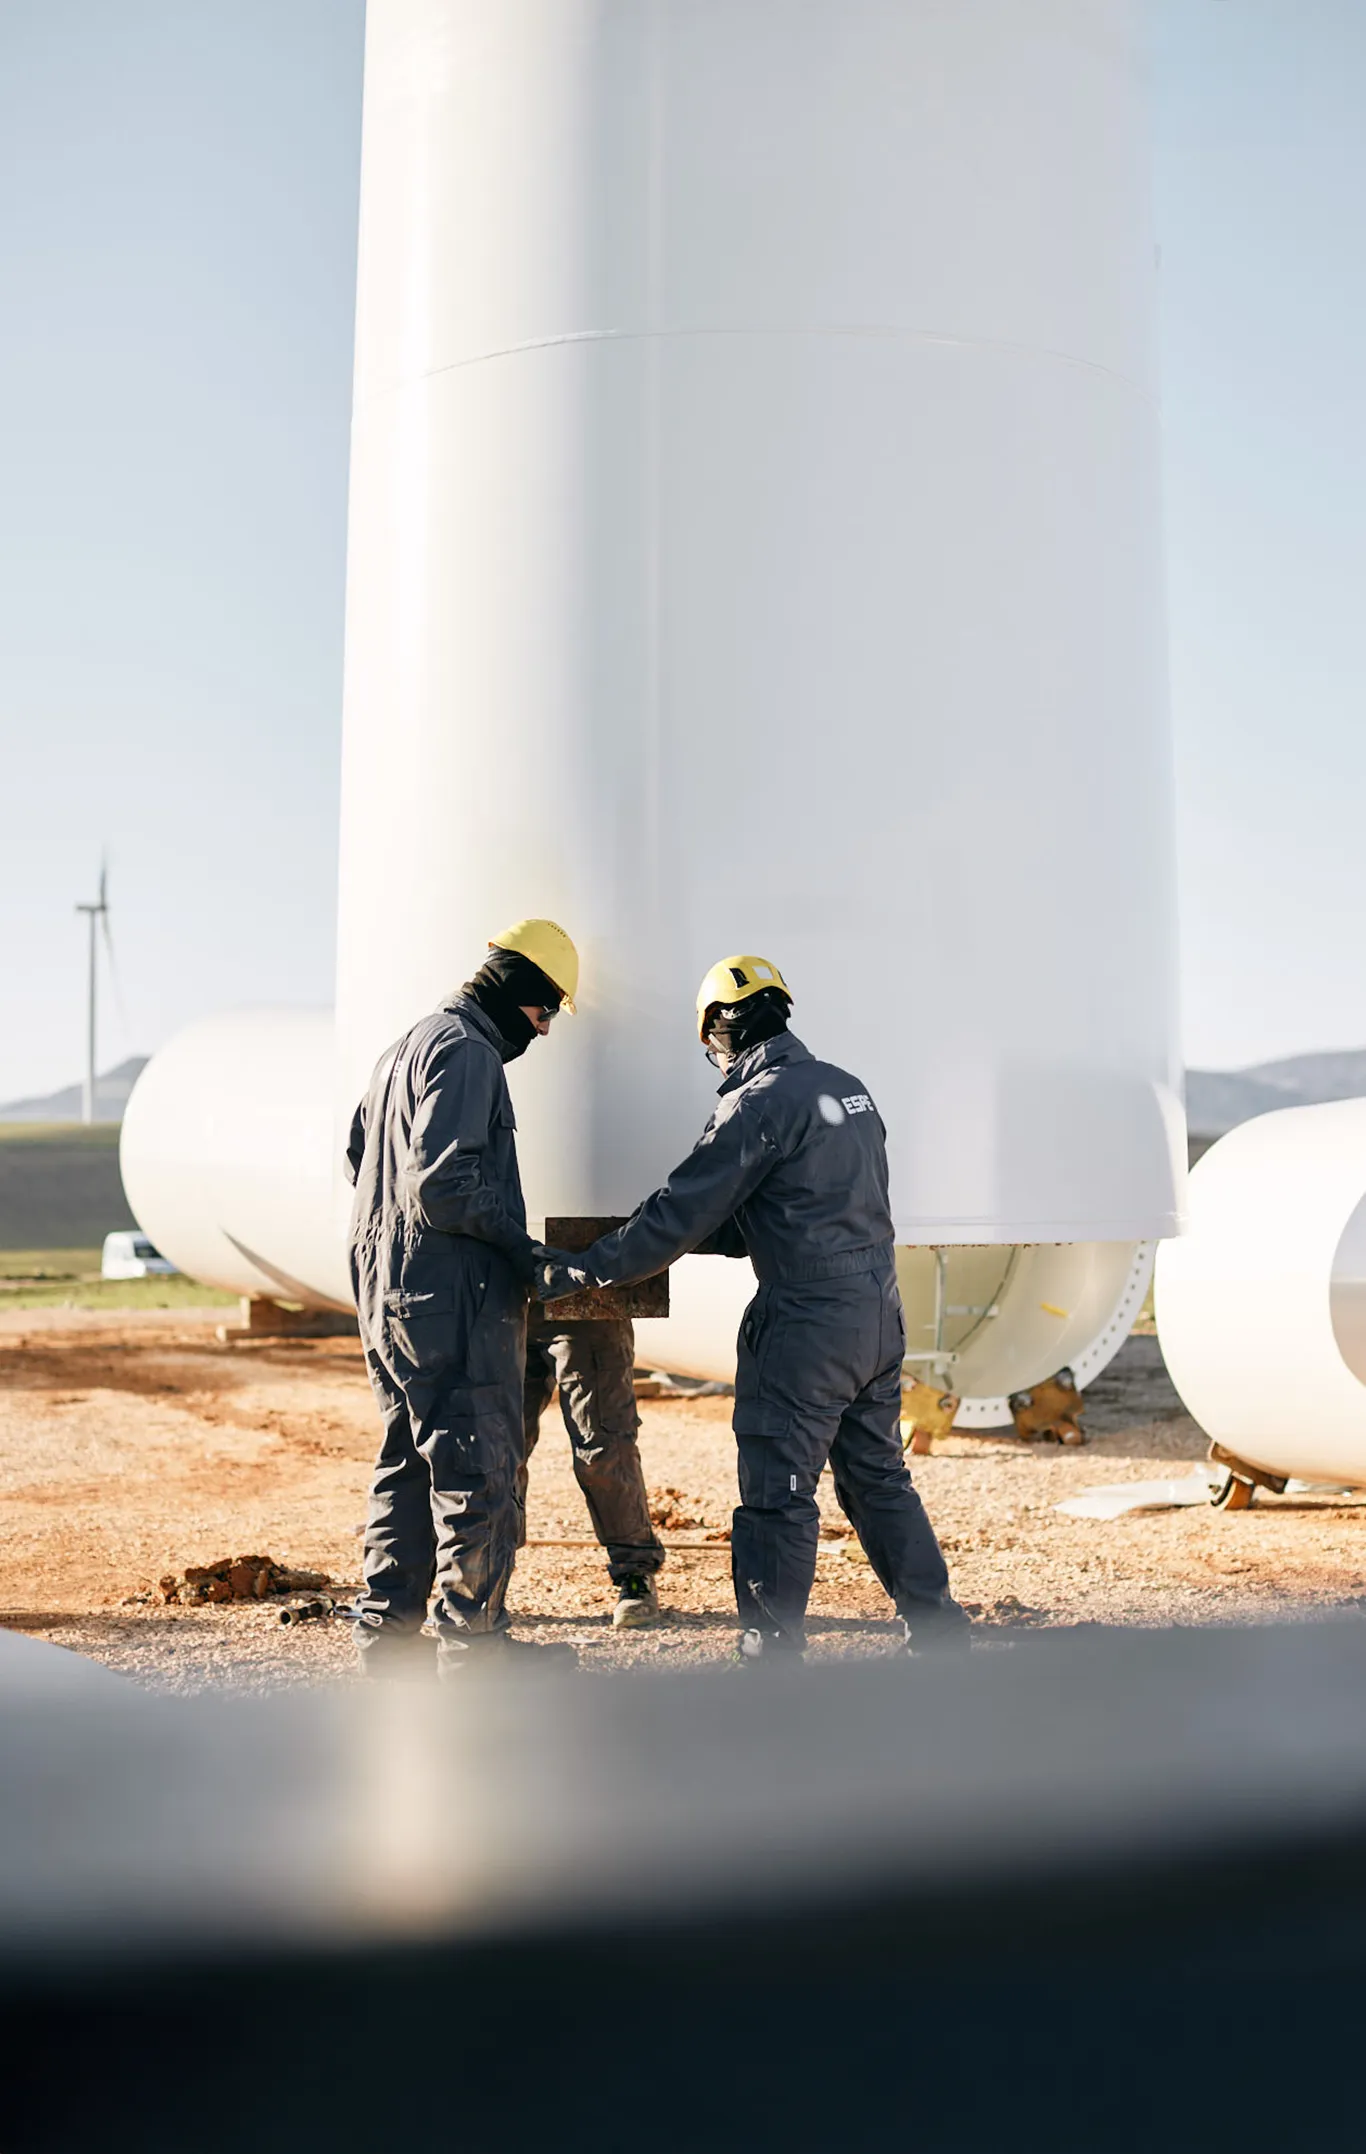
x=1116 y=1498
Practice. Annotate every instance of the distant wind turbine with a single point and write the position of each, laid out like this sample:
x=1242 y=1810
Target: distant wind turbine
x=98 y=911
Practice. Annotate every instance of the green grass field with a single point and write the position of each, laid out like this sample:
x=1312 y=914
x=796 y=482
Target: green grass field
x=70 y=1278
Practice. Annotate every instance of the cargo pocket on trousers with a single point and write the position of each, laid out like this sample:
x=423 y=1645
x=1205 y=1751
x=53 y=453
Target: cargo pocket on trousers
x=759 y=1347
x=466 y=1442
x=419 y=1325
x=770 y=1472
x=433 y=1327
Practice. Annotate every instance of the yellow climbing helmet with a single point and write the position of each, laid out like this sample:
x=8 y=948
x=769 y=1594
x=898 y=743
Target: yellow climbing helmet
x=734 y=980
x=545 y=945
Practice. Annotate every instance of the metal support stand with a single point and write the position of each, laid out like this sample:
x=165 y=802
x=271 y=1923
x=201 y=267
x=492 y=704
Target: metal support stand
x=930 y=1404
x=1241 y=1482
x=1050 y=1412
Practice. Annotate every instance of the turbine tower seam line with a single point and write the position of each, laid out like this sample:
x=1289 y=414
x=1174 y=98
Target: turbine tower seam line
x=872 y=331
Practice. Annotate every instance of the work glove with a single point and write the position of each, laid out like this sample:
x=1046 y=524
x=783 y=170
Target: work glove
x=556 y=1274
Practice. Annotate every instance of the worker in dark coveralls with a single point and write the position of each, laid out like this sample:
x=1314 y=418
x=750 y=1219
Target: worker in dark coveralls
x=441 y=1261
x=791 y=1171
x=593 y=1362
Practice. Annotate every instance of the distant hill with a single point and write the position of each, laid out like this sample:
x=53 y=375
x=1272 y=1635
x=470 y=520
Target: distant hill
x=1218 y=1100
x=111 y=1097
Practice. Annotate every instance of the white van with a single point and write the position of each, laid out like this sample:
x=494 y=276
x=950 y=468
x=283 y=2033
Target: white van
x=132 y=1256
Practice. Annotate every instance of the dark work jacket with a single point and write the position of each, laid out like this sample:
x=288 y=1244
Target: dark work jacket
x=791 y=1171
x=439 y=1217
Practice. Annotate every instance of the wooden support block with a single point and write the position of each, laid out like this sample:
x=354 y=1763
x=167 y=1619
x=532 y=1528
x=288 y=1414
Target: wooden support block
x=650 y=1297
x=262 y=1319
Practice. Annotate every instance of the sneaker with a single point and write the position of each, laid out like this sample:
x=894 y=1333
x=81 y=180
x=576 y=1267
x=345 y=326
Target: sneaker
x=637 y=1605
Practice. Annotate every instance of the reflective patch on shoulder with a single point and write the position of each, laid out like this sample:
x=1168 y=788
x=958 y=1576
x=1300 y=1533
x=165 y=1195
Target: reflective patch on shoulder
x=831 y=1110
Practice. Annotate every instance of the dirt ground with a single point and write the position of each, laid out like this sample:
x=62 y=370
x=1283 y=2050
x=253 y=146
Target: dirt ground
x=133 y=1445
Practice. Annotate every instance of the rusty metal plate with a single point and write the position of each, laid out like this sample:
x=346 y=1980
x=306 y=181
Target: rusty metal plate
x=649 y=1297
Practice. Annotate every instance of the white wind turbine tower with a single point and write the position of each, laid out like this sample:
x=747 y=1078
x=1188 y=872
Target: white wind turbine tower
x=98 y=911
x=805 y=368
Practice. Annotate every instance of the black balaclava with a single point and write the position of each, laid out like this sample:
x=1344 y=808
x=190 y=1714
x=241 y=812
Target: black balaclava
x=738 y=1026
x=502 y=984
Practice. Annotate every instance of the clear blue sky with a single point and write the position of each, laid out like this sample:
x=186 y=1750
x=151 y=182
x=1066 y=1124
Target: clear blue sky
x=1261 y=172
x=178 y=183
x=177 y=207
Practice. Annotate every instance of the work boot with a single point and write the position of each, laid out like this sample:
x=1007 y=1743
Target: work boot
x=755 y=1648
x=938 y=1634
x=638 y=1604
x=499 y=1649
x=387 y=1649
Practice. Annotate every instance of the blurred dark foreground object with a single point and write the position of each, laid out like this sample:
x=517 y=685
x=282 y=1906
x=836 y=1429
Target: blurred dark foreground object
x=1103 y=1891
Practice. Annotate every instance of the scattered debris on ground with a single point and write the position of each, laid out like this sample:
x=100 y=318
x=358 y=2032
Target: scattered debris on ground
x=238 y=1578
x=314 y=1611
x=1009 y=1612
x=673 y=1512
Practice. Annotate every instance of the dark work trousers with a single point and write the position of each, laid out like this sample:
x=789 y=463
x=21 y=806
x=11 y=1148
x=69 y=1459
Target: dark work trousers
x=593 y=1363
x=443 y=1500
x=819 y=1378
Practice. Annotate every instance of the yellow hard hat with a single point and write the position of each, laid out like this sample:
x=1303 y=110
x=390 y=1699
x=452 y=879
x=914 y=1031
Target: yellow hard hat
x=547 y=946
x=735 y=979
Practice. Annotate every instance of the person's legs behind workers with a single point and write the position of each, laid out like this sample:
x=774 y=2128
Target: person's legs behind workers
x=593 y=1362
x=538 y=1389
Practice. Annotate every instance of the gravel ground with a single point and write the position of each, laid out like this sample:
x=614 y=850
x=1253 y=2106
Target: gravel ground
x=135 y=1445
